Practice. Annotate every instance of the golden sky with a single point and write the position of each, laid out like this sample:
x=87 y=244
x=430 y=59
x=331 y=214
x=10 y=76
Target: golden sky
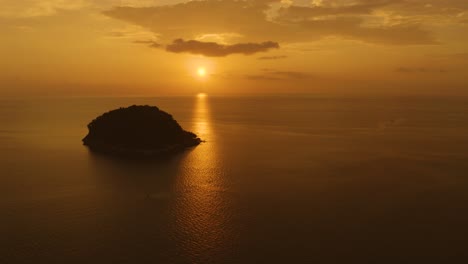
x=157 y=47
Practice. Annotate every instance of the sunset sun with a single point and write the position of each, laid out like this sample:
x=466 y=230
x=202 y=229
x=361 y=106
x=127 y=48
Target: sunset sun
x=201 y=72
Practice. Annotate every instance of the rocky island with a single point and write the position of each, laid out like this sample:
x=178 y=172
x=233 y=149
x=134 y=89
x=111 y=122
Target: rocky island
x=138 y=131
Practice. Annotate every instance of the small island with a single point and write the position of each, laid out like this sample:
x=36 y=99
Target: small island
x=138 y=131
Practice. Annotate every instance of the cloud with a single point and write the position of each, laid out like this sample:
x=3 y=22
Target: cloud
x=131 y=32
x=44 y=8
x=275 y=75
x=352 y=28
x=34 y=8
x=149 y=43
x=261 y=77
x=268 y=74
x=196 y=18
x=223 y=38
x=272 y=57
x=428 y=7
x=452 y=57
x=365 y=20
x=303 y=12
x=213 y=49
x=289 y=74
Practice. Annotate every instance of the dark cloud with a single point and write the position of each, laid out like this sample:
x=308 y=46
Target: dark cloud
x=150 y=43
x=213 y=49
x=272 y=57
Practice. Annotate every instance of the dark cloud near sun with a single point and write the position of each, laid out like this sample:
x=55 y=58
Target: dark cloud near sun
x=213 y=49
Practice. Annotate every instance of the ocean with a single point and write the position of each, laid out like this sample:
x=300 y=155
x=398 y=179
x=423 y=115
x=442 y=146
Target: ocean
x=279 y=179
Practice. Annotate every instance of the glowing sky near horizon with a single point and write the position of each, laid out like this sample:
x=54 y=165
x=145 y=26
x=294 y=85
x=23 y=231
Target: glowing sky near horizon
x=130 y=47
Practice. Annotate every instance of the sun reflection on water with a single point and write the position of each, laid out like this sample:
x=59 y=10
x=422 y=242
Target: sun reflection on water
x=201 y=119
x=201 y=208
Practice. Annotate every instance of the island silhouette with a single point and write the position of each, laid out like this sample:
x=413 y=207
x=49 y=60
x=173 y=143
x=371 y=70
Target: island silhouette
x=138 y=131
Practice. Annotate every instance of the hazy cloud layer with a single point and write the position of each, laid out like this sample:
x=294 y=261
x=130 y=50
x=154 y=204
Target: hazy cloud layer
x=303 y=12
x=36 y=8
x=149 y=43
x=391 y=22
x=420 y=70
x=213 y=49
x=272 y=57
x=43 y=8
x=276 y=75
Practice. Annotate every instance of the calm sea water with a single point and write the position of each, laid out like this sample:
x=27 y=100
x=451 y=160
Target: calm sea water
x=278 y=180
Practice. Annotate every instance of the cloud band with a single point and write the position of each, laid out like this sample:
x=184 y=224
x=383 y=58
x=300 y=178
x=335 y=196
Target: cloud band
x=213 y=49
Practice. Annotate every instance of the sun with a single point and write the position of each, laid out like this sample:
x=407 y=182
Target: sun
x=201 y=72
